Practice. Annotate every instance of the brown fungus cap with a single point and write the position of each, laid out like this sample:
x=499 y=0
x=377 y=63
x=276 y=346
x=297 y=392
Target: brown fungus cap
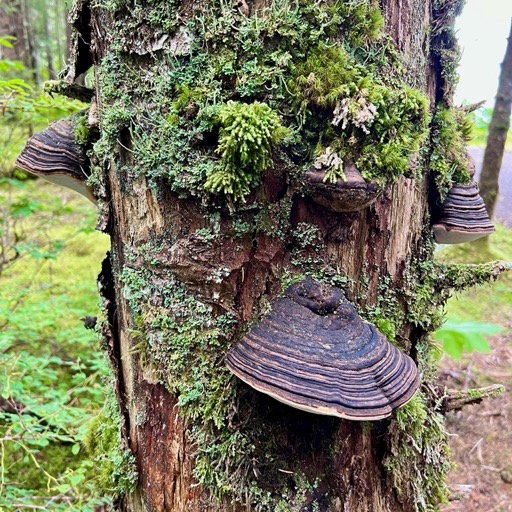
x=464 y=217
x=313 y=352
x=54 y=155
x=345 y=195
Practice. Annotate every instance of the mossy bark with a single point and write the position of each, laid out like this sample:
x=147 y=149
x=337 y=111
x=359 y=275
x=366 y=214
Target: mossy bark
x=191 y=274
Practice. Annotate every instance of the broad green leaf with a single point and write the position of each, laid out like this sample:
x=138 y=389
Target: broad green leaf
x=459 y=337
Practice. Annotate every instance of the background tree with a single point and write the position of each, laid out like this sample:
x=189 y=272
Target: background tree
x=208 y=117
x=498 y=130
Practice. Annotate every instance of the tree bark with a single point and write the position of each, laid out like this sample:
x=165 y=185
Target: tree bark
x=498 y=131
x=173 y=255
x=11 y=24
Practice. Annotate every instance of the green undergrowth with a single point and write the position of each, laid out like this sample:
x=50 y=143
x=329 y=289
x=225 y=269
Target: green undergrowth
x=49 y=362
x=489 y=302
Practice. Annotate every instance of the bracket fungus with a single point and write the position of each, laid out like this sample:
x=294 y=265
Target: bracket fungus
x=463 y=216
x=54 y=155
x=313 y=352
x=350 y=194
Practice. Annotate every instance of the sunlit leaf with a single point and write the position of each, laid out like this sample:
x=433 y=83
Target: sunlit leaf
x=459 y=337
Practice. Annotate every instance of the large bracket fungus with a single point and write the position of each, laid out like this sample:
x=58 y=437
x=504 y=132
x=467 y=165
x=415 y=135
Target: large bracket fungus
x=54 y=155
x=463 y=216
x=313 y=352
x=350 y=194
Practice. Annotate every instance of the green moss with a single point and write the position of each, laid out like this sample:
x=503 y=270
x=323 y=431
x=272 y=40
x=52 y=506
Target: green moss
x=114 y=467
x=419 y=459
x=247 y=134
x=451 y=132
x=364 y=120
x=81 y=129
x=352 y=96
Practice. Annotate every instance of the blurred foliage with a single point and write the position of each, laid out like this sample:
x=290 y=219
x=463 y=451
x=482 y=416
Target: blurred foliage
x=52 y=371
x=458 y=337
x=50 y=365
x=481 y=119
x=483 y=310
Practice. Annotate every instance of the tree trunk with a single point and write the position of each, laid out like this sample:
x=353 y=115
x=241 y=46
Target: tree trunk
x=498 y=131
x=11 y=24
x=30 y=54
x=189 y=270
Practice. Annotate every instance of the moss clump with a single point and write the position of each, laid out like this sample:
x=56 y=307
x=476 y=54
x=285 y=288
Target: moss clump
x=247 y=134
x=376 y=125
x=80 y=128
x=419 y=459
x=347 y=91
x=114 y=466
x=463 y=276
x=451 y=132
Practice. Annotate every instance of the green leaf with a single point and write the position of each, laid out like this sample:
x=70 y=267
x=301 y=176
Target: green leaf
x=76 y=478
x=75 y=449
x=459 y=337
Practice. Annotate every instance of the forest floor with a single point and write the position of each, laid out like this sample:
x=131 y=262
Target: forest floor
x=481 y=434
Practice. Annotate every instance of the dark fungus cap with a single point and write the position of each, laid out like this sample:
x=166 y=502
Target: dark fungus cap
x=464 y=217
x=313 y=352
x=54 y=155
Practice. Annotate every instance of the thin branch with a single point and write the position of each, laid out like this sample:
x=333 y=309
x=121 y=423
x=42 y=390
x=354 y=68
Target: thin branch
x=456 y=400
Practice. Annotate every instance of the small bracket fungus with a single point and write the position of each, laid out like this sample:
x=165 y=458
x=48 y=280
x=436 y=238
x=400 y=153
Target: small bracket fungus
x=313 y=352
x=54 y=155
x=463 y=216
x=349 y=194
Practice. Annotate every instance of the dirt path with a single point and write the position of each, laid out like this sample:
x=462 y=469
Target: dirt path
x=503 y=212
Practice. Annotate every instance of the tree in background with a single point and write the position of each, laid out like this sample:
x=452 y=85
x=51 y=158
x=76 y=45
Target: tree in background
x=16 y=27
x=37 y=32
x=498 y=131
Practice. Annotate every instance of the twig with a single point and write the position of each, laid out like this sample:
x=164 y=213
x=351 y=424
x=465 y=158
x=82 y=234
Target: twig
x=472 y=107
x=74 y=91
x=459 y=491
x=467 y=380
x=456 y=400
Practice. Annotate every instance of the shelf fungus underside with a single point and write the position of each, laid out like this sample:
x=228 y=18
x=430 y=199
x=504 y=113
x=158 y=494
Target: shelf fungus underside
x=464 y=216
x=54 y=155
x=350 y=194
x=313 y=352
